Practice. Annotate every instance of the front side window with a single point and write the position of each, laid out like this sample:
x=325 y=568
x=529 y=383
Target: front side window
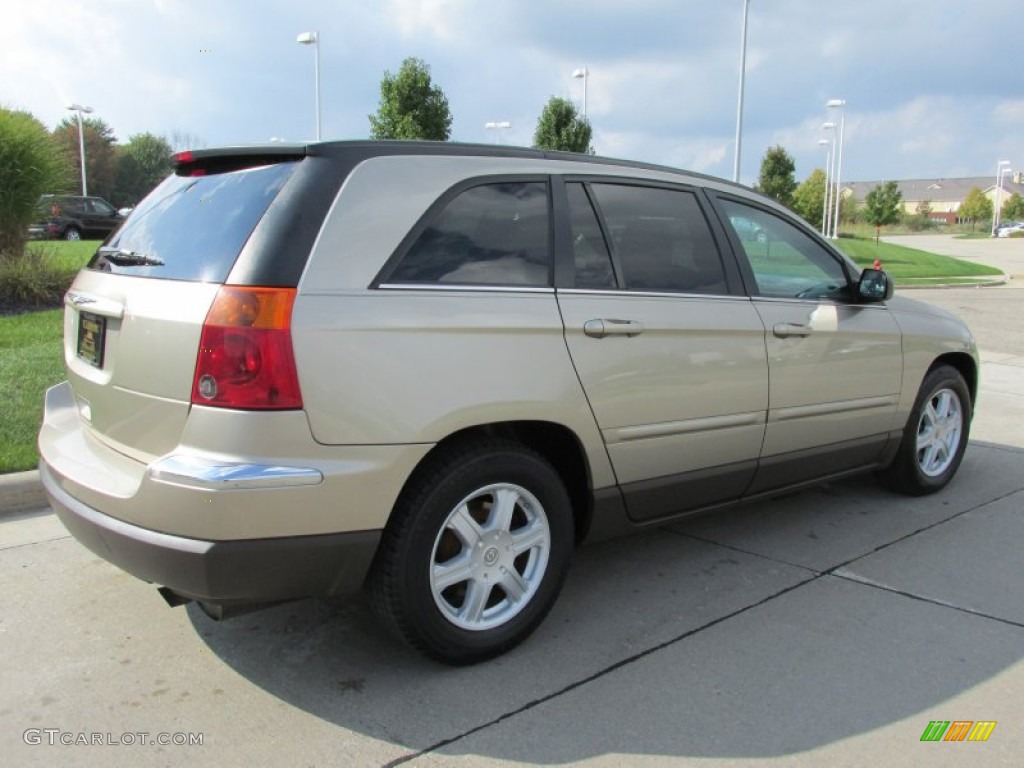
x=786 y=261
x=492 y=234
x=661 y=239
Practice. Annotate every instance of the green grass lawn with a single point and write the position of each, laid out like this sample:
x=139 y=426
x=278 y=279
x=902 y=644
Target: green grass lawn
x=31 y=360
x=31 y=353
x=903 y=263
x=65 y=254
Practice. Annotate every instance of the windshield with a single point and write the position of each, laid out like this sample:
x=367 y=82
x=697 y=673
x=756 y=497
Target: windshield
x=193 y=227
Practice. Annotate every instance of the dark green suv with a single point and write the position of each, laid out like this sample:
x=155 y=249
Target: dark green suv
x=74 y=217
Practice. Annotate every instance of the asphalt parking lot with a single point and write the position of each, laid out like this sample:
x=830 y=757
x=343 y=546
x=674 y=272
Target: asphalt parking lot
x=827 y=627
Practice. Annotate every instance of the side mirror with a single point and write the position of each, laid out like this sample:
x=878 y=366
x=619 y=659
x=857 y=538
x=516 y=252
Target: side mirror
x=874 y=285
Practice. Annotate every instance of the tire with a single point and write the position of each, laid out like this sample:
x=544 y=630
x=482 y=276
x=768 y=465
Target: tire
x=935 y=437
x=475 y=553
x=72 y=233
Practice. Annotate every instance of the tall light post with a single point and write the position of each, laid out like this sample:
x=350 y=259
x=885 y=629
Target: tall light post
x=1000 y=172
x=584 y=73
x=78 y=108
x=831 y=127
x=828 y=187
x=739 y=101
x=839 y=104
x=313 y=38
x=498 y=127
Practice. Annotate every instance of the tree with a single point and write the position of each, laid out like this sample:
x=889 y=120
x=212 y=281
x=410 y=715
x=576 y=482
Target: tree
x=561 y=127
x=849 y=209
x=411 y=107
x=809 y=198
x=777 y=177
x=179 y=141
x=975 y=207
x=922 y=218
x=882 y=206
x=100 y=155
x=143 y=163
x=1013 y=208
x=31 y=165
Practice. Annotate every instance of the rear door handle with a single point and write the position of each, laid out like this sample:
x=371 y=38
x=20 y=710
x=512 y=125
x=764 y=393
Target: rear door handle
x=598 y=329
x=785 y=330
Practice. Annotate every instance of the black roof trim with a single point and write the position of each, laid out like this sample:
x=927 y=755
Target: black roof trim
x=370 y=148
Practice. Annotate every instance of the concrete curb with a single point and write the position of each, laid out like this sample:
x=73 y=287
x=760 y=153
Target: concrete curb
x=21 y=492
x=981 y=282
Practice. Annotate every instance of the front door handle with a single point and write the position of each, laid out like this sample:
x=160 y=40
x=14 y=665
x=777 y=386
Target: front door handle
x=785 y=330
x=598 y=329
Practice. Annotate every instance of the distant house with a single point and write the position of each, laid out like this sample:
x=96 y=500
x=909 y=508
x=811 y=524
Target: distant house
x=943 y=195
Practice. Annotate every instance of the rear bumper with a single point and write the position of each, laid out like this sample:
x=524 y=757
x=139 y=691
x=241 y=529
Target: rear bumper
x=220 y=572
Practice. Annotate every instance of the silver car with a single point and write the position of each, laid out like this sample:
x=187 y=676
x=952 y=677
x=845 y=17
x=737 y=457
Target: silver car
x=432 y=370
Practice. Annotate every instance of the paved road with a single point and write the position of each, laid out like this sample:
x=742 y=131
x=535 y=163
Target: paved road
x=1003 y=253
x=825 y=628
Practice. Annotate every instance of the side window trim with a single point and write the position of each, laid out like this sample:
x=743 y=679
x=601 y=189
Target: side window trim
x=441 y=203
x=739 y=254
x=609 y=243
x=734 y=277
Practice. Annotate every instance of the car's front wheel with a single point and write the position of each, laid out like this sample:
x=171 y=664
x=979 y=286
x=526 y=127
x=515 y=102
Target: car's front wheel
x=935 y=437
x=476 y=552
x=72 y=233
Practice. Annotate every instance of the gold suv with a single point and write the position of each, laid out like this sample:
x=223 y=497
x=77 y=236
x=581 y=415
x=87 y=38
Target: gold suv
x=433 y=370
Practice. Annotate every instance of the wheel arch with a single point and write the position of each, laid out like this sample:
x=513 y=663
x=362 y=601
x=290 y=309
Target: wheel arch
x=966 y=365
x=556 y=443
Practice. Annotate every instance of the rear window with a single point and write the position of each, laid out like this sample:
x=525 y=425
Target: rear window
x=193 y=227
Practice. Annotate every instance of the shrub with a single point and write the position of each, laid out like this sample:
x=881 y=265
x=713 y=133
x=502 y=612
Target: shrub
x=33 y=280
x=30 y=165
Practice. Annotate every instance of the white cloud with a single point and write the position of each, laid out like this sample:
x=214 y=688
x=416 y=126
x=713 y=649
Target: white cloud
x=438 y=18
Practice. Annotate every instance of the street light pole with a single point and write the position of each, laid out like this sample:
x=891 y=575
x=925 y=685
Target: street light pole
x=313 y=38
x=739 y=101
x=1000 y=170
x=830 y=175
x=838 y=199
x=576 y=75
x=498 y=127
x=828 y=187
x=79 y=109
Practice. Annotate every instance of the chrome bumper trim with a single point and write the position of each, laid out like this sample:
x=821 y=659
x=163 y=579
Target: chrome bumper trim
x=193 y=472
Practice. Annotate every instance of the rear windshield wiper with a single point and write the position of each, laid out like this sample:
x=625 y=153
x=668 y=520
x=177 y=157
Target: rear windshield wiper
x=122 y=257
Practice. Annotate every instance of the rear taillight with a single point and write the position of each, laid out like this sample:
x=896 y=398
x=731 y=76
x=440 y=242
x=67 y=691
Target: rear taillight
x=245 y=355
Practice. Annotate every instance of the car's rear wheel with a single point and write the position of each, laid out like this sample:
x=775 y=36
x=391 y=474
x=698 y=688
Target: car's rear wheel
x=72 y=233
x=935 y=437
x=476 y=552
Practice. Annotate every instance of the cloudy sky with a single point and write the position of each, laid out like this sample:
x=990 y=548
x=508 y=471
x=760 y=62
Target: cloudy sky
x=934 y=87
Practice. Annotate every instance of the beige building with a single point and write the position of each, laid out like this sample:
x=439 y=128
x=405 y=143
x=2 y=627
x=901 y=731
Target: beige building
x=943 y=195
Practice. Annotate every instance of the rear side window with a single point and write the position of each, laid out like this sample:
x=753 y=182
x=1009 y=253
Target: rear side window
x=193 y=227
x=661 y=239
x=492 y=234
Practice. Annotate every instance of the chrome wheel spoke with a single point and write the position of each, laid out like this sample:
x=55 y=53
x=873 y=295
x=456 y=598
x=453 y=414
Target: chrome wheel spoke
x=523 y=540
x=514 y=585
x=452 y=572
x=473 y=606
x=505 y=501
x=465 y=527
